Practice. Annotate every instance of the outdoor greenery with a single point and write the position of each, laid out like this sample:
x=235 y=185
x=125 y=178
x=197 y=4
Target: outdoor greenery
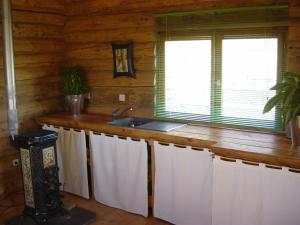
x=287 y=97
x=74 y=81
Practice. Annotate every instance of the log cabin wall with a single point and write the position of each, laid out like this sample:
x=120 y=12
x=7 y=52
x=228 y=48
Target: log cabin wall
x=39 y=53
x=294 y=37
x=93 y=24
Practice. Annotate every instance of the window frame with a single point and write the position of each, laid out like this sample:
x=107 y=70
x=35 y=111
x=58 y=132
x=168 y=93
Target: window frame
x=216 y=38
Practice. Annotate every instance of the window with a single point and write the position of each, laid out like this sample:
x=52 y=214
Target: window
x=218 y=74
x=249 y=70
x=186 y=78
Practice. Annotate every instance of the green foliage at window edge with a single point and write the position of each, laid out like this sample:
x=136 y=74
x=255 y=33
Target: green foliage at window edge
x=287 y=98
x=74 y=80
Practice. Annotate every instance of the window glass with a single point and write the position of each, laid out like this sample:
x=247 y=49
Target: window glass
x=188 y=76
x=218 y=65
x=249 y=70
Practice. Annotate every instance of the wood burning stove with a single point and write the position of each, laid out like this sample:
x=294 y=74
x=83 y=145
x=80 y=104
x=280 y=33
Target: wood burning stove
x=43 y=203
x=40 y=175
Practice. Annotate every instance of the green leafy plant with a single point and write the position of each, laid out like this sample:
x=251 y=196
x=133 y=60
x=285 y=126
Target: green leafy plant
x=74 y=81
x=287 y=97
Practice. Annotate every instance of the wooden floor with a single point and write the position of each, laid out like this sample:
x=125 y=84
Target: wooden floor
x=105 y=215
x=10 y=206
x=111 y=216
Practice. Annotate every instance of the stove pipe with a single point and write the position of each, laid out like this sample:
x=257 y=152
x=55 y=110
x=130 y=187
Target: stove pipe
x=8 y=59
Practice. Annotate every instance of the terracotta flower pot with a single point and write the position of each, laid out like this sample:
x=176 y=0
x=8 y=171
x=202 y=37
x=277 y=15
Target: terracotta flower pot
x=295 y=131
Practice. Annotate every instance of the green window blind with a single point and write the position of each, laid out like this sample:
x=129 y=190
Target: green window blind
x=217 y=66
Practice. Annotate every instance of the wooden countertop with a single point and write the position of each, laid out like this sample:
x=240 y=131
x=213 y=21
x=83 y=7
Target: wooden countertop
x=253 y=146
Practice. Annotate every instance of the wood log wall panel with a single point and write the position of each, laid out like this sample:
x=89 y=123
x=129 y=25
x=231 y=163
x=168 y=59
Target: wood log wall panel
x=42 y=107
x=29 y=17
x=140 y=95
x=138 y=34
x=294 y=37
x=140 y=64
x=103 y=79
x=3 y=117
x=37 y=31
x=105 y=100
x=38 y=46
x=89 y=39
x=106 y=22
x=47 y=6
x=38 y=27
x=40 y=100
x=22 y=30
x=87 y=7
x=104 y=51
x=37 y=59
x=42 y=70
x=45 y=40
x=6 y=151
x=12 y=200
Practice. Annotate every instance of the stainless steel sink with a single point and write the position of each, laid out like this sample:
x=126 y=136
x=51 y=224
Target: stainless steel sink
x=147 y=124
x=130 y=122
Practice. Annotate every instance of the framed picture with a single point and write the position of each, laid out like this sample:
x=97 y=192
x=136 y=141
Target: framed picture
x=123 y=60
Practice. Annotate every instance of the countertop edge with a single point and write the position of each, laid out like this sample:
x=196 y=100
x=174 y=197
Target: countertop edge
x=290 y=158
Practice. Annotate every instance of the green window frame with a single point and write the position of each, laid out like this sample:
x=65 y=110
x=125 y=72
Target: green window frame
x=216 y=38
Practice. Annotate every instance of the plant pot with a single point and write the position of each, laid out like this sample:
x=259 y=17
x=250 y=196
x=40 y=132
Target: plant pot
x=75 y=104
x=295 y=131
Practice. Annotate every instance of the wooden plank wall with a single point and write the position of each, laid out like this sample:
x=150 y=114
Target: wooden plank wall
x=294 y=37
x=44 y=41
x=93 y=24
x=39 y=53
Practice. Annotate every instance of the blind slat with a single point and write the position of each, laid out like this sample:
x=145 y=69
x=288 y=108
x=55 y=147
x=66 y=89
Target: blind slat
x=195 y=61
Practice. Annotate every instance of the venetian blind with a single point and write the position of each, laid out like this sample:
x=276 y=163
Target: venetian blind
x=217 y=66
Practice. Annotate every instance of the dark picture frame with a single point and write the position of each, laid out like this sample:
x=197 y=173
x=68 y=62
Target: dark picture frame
x=123 y=60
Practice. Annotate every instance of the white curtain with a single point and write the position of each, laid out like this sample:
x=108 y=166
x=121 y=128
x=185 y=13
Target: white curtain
x=183 y=185
x=120 y=172
x=246 y=194
x=72 y=145
x=59 y=156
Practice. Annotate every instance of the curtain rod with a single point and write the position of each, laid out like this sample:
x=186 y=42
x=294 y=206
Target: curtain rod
x=221 y=10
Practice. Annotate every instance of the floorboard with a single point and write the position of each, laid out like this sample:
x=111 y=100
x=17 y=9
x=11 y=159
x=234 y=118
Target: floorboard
x=105 y=215
x=111 y=216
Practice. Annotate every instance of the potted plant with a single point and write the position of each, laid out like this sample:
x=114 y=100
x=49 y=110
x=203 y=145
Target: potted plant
x=287 y=99
x=74 y=87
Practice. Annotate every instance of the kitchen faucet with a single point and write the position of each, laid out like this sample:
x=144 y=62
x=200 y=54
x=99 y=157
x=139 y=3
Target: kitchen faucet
x=117 y=112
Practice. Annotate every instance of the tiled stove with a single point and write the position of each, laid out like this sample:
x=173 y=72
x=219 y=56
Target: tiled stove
x=43 y=205
x=40 y=175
